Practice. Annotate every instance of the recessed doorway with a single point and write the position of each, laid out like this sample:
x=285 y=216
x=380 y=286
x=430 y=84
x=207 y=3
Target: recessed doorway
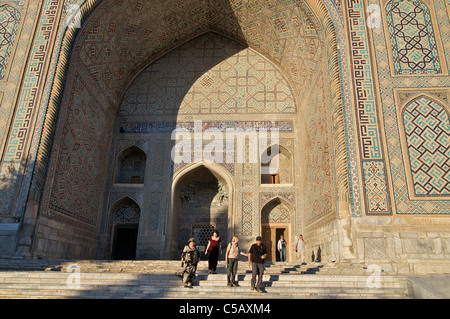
x=125 y=240
x=271 y=234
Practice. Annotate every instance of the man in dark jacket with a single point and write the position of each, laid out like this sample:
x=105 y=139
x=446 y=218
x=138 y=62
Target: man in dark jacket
x=256 y=256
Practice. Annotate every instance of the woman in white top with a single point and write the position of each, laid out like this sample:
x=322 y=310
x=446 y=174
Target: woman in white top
x=231 y=259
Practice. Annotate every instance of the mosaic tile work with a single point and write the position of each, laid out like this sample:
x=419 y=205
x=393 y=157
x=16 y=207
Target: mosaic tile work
x=168 y=127
x=275 y=212
x=366 y=111
x=376 y=188
x=76 y=184
x=33 y=81
x=366 y=115
x=121 y=37
x=22 y=86
x=9 y=27
x=155 y=207
x=283 y=31
x=126 y=211
x=319 y=182
x=411 y=34
x=244 y=225
x=395 y=94
x=427 y=129
x=213 y=75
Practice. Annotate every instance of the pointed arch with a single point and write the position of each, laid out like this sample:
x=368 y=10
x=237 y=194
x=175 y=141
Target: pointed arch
x=415 y=47
x=125 y=210
x=179 y=181
x=276 y=210
x=276 y=168
x=130 y=166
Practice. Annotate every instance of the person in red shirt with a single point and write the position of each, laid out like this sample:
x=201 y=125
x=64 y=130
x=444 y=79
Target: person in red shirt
x=214 y=249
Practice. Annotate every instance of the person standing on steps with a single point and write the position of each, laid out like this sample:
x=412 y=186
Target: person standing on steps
x=189 y=260
x=214 y=249
x=281 y=246
x=231 y=259
x=300 y=249
x=256 y=256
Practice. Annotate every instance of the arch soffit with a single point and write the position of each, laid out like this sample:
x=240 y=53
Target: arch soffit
x=123 y=151
x=218 y=171
x=282 y=201
x=286 y=151
x=430 y=97
x=123 y=199
x=316 y=10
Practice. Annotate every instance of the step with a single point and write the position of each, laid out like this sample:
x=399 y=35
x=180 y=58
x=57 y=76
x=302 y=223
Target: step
x=46 y=285
x=156 y=279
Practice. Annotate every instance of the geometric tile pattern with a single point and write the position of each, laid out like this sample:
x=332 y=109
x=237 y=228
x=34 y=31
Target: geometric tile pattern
x=22 y=123
x=126 y=211
x=119 y=39
x=365 y=106
x=279 y=29
x=245 y=226
x=427 y=130
x=21 y=82
x=289 y=38
x=411 y=33
x=320 y=163
x=76 y=183
x=377 y=199
x=9 y=27
x=275 y=212
x=209 y=75
x=366 y=113
x=152 y=225
x=392 y=103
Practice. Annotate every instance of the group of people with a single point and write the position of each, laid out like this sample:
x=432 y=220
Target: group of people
x=256 y=257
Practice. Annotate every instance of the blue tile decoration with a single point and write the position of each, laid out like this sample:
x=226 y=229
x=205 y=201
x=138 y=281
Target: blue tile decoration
x=427 y=129
x=411 y=34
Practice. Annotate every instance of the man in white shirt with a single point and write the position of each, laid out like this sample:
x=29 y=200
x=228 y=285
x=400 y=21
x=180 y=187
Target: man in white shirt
x=300 y=249
x=281 y=246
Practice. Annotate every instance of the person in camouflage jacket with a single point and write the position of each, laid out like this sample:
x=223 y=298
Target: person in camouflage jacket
x=189 y=260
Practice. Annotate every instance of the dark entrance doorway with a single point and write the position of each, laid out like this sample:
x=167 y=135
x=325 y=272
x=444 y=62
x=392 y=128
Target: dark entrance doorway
x=125 y=239
x=271 y=234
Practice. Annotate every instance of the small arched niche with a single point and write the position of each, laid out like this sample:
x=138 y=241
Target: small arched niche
x=276 y=166
x=130 y=166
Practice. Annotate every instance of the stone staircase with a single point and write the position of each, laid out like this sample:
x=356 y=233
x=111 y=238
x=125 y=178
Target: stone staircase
x=49 y=279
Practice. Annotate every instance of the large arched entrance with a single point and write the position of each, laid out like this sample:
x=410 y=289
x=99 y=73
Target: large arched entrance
x=202 y=201
x=294 y=44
